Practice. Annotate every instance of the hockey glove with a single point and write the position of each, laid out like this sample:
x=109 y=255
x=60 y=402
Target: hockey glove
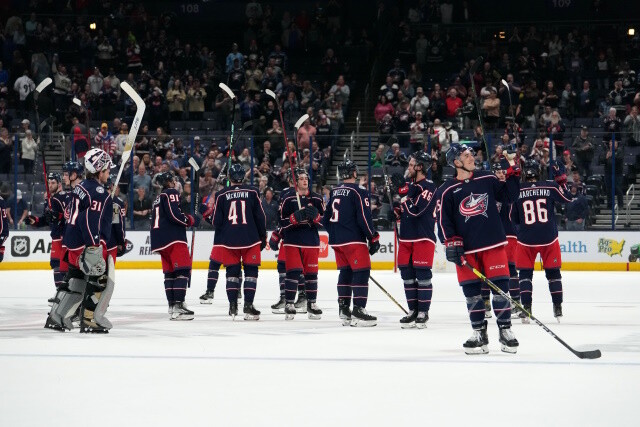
x=263 y=243
x=397 y=211
x=513 y=171
x=510 y=157
x=312 y=214
x=32 y=220
x=274 y=241
x=206 y=211
x=397 y=181
x=374 y=244
x=190 y=220
x=454 y=249
x=298 y=216
x=1 y=253
x=52 y=217
x=561 y=179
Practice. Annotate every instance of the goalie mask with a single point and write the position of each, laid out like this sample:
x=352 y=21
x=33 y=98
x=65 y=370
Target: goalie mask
x=97 y=160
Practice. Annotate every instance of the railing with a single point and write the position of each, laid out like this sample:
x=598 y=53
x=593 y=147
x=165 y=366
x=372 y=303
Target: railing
x=632 y=190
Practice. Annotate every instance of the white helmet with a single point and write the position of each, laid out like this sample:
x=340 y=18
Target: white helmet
x=97 y=160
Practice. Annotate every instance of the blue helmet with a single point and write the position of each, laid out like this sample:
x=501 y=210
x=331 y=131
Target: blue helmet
x=54 y=175
x=454 y=152
x=72 y=166
x=164 y=178
x=347 y=168
x=531 y=169
x=236 y=172
x=422 y=158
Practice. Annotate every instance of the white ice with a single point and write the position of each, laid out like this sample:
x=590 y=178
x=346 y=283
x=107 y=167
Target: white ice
x=150 y=371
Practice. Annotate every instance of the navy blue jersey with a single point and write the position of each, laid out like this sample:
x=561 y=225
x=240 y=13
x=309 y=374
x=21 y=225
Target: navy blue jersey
x=117 y=229
x=468 y=210
x=239 y=220
x=534 y=211
x=168 y=222
x=506 y=210
x=88 y=215
x=4 y=222
x=347 y=217
x=304 y=234
x=59 y=203
x=418 y=220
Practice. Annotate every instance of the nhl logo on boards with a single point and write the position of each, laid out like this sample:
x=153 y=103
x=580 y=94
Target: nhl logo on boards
x=20 y=246
x=474 y=204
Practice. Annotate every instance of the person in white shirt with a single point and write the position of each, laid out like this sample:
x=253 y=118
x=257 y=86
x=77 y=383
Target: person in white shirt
x=24 y=86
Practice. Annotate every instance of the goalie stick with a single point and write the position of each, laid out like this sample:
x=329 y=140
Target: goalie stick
x=195 y=192
x=135 y=126
x=42 y=86
x=589 y=354
x=232 y=95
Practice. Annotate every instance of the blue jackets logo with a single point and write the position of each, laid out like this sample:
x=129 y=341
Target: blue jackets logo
x=610 y=247
x=474 y=204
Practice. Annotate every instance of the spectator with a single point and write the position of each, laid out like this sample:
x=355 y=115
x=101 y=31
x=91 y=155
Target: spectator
x=407 y=89
x=233 y=55
x=389 y=89
x=176 y=97
x=29 y=147
x=618 y=164
x=491 y=107
x=24 y=86
x=317 y=160
x=567 y=101
x=584 y=145
x=270 y=207
x=142 y=179
x=611 y=125
x=438 y=108
x=417 y=129
x=396 y=157
x=121 y=139
x=577 y=211
x=185 y=197
x=141 y=208
x=305 y=134
x=105 y=140
x=5 y=151
x=275 y=136
x=453 y=103
x=619 y=95
x=340 y=91
x=17 y=212
x=95 y=82
x=323 y=132
x=420 y=102
x=195 y=99
x=555 y=130
x=108 y=98
x=567 y=159
x=632 y=125
x=382 y=108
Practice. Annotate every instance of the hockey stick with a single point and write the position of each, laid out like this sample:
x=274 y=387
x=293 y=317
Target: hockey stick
x=387 y=189
x=590 y=354
x=511 y=112
x=472 y=71
x=195 y=192
x=232 y=95
x=135 y=126
x=388 y=294
x=42 y=86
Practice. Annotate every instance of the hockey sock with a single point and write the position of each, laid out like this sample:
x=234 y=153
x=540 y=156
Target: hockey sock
x=485 y=292
x=514 y=284
x=344 y=285
x=291 y=285
x=169 y=278
x=311 y=286
x=425 y=289
x=233 y=281
x=475 y=304
x=360 y=287
x=501 y=305
x=212 y=276
x=555 y=284
x=250 y=282
x=58 y=276
x=301 y=287
x=180 y=284
x=526 y=286
x=282 y=273
x=410 y=286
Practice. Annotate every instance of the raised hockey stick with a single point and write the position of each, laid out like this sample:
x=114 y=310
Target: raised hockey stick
x=388 y=294
x=135 y=126
x=232 y=95
x=387 y=189
x=511 y=112
x=195 y=191
x=472 y=71
x=42 y=86
x=589 y=354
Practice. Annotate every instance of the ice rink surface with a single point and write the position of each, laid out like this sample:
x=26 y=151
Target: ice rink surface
x=150 y=371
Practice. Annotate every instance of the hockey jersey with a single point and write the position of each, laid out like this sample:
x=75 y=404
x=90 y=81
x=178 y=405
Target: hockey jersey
x=88 y=216
x=418 y=220
x=239 y=220
x=59 y=203
x=347 y=217
x=468 y=210
x=505 y=210
x=4 y=221
x=304 y=234
x=117 y=228
x=534 y=211
x=168 y=222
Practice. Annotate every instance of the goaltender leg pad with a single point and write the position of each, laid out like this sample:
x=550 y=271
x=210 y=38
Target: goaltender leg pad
x=250 y=283
x=92 y=261
x=526 y=286
x=555 y=284
x=105 y=296
x=70 y=300
x=408 y=275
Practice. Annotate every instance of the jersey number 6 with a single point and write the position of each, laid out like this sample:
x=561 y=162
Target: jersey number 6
x=531 y=211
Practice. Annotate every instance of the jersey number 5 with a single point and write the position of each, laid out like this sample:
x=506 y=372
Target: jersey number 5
x=532 y=211
x=233 y=215
x=334 y=210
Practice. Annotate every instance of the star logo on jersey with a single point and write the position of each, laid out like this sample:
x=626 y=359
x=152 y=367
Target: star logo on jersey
x=474 y=204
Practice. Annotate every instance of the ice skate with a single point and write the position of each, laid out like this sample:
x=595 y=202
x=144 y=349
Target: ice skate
x=478 y=342
x=289 y=311
x=360 y=317
x=508 y=341
x=207 y=297
x=487 y=309
x=515 y=311
x=409 y=321
x=180 y=312
x=233 y=309
x=313 y=311
x=421 y=319
x=344 y=313
x=250 y=312
x=278 y=308
x=50 y=324
x=524 y=316
x=557 y=311
x=301 y=303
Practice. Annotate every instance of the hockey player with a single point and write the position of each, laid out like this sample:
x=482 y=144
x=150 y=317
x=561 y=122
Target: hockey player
x=215 y=259
x=471 y=230
x=53 y=216
x=301 y=242
x=116 y=245
x=71 y=176
x=534 y=211
x=240 y=226
x=169 y=239
x=417 y=240
x=274 y=245
x=4 y=226
x=348 y=221
x=90 y=276
x=505 y=210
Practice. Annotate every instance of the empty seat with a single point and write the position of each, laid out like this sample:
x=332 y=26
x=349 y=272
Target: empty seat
x=582 y=121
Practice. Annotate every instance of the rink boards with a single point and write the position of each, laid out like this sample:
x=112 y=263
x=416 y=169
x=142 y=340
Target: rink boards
x=593 y=250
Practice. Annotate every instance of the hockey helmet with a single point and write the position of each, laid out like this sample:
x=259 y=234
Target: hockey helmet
x=164 y=178
x=346 y=169
x=422 y=158
x=54 y=176
x=531 y=169
x=497 y=166
x=72 y=166
x=455 y=151
x=97 y=160
x=298 y=172
x=236 y=172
